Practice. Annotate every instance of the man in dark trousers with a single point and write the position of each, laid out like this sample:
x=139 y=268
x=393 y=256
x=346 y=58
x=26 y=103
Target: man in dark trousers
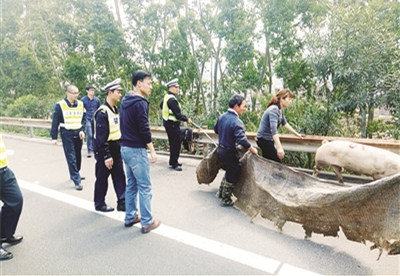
x=91 y=103
x=230 y=130
x=69 y=114
x=11 y=197
x=171 y=113
x=107 y=138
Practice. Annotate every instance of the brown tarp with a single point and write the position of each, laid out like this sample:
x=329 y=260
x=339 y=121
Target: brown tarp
x=368 y=212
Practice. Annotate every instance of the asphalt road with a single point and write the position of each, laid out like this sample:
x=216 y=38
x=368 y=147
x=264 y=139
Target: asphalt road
x=64 y=235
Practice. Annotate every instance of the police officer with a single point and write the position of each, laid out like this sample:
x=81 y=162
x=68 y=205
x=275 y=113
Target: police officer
x=171 y=113
x=91 y=103
x=11 y=196
x=107 y=147
x=69 y=114
x=230 y=130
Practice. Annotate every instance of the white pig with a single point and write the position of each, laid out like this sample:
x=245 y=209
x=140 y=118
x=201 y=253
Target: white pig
x=356 y=158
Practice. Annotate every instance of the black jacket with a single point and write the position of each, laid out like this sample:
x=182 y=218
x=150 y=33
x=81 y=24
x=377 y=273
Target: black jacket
x=174 y=106
x=103 y=148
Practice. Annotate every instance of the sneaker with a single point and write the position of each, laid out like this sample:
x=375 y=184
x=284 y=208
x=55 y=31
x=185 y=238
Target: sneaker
x=152 y=226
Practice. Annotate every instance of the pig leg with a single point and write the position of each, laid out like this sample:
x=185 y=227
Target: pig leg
x=318 y=167
x=316 y=171
x=338 y=172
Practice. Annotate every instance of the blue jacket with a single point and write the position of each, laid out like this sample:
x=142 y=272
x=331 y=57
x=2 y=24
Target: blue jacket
x=91 y=106
x=135 y=127
x=230 y=130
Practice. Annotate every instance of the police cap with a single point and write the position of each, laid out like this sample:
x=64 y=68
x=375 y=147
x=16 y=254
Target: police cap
x=173 y=82
x=114 y=85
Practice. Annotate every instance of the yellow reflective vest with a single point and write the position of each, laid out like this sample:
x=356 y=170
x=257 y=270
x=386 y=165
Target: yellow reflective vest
x=167 y=113
x=72 y=115
x=3 y=155
x=113 y=123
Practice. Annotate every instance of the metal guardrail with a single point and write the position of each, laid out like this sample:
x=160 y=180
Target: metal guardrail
x=309 y=143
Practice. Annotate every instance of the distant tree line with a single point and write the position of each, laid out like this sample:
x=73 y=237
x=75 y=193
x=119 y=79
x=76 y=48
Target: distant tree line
x=341 y=57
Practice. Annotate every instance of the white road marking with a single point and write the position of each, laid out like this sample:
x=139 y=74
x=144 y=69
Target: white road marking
x=214 y=247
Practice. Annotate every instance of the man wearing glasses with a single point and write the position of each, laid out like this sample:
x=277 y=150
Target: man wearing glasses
x=69 y=114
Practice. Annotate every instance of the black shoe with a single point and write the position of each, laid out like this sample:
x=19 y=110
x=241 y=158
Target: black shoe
x=121 y=207
x=12 y=240
x=105 y=208
x=5 y=255
x=136 y=220
x=178 y=164
x=177 y=168
x=78 y=187
x=83 y=178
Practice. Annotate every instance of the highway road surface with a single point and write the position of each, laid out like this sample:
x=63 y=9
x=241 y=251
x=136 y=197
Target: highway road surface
x=63 y=234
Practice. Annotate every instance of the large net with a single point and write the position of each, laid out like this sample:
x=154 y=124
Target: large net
x=368 y=212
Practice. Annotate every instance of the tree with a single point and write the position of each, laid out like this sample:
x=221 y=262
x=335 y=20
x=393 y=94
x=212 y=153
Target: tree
x=46 y=45
x=281 y=20
x=359 y=46
x=29 y=104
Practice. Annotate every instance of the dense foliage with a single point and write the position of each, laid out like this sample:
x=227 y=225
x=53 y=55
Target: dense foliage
x=340 y=57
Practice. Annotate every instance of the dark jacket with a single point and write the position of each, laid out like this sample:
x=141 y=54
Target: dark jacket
x=58 y=118
x=91 y=106
x=105 y=149
x=230 y=130
x=134 y=115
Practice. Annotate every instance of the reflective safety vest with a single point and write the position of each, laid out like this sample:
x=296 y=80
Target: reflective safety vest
x=3 y=155
x=113 y=123
x=167 y=113
x=72 y=115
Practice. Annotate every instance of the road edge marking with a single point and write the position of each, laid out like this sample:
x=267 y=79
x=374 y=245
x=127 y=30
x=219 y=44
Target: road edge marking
x=226 y=251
